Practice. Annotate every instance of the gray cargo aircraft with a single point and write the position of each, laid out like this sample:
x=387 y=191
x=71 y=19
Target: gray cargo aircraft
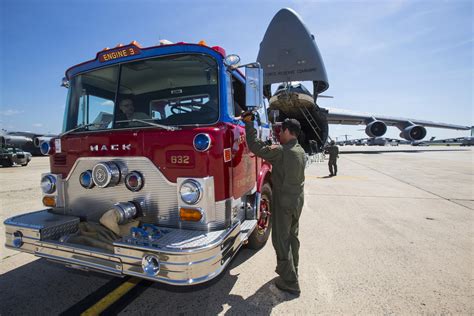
x=288 y=55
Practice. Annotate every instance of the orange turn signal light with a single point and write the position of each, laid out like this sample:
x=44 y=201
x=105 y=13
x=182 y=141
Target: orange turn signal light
x=49 y=201
x=136 y=44
x=189 y=214
x=202 y=43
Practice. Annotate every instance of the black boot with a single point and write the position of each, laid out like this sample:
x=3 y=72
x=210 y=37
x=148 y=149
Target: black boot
x=293 y=287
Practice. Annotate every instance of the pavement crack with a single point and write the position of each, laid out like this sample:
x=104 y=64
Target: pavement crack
x=19 y=190
x=10 y=256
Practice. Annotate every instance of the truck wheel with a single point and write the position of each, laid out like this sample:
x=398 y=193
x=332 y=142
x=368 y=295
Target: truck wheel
x=260 y=235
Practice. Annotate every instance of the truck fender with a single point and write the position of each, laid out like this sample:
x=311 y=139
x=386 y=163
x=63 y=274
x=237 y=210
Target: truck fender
x=264 y=175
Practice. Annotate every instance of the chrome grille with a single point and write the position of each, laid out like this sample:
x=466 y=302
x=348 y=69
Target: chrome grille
x=60 y=159
x=158 y=194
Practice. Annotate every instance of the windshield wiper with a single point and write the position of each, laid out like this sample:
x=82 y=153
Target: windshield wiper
x=78 y=127
x=166 y=127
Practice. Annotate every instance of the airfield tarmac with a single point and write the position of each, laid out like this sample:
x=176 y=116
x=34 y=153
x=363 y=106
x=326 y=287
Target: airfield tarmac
x=393 y=233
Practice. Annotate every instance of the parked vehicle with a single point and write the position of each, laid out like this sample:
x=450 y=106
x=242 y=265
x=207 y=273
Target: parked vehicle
x=467 y=141
x=10 y=156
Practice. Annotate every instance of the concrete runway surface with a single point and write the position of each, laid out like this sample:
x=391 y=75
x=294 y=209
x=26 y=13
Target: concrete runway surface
x=393 y=233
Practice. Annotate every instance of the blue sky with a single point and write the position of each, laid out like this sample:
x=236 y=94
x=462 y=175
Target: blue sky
x=401 y=58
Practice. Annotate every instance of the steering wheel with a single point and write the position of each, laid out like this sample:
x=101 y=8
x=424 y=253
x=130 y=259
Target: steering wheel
x=179 y=110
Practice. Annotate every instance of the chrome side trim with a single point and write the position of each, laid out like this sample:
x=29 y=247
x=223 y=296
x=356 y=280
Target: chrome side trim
x=81 y=260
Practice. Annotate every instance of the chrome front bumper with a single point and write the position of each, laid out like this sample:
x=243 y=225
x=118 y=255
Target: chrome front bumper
x=185 y=256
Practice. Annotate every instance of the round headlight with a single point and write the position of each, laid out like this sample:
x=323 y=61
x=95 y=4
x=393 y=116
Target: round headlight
x=17 y=239
x=134 y=181
x=45 y=148
x=190 y=191
x=202 y=142
x=85 y=179
x=48 y=184
x=106 y=174
x=151 y=265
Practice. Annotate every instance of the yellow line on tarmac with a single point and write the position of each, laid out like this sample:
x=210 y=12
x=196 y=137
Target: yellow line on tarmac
x=112 y=297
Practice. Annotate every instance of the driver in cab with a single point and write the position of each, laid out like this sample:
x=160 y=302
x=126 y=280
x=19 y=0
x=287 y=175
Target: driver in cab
x=128 y=113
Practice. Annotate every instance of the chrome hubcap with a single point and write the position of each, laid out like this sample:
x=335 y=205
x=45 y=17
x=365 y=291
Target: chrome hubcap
x=264 y=217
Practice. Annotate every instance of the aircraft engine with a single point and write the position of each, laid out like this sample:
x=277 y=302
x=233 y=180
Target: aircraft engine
x=376 y=129
x=413 y=132
x=14 y=140
x=40 y=139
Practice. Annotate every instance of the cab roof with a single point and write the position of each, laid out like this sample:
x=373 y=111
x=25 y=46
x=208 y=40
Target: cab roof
x=134 y=51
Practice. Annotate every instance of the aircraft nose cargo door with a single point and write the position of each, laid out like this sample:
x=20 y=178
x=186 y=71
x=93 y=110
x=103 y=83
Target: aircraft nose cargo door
x=289 y=53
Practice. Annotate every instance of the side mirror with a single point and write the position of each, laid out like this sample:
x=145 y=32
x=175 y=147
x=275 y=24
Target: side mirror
x=253 y=87
x=65 y=83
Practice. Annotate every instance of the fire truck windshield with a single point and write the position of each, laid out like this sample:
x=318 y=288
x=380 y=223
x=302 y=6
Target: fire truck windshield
x=162 y=91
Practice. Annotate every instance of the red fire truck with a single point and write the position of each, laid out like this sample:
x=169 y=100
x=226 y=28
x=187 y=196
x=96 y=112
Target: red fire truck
x=153 y=134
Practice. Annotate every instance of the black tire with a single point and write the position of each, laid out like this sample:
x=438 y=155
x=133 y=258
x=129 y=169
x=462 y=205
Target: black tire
x=7 y=162
x=259 y=236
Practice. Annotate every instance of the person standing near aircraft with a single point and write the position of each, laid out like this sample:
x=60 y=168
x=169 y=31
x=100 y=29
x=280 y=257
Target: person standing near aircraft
x=288 y=162
x=333 y=151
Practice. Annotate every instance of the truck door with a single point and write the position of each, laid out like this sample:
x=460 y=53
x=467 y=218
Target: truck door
x=243 y=160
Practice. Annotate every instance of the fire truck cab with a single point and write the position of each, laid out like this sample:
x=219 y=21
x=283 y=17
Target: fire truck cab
x=153 y=134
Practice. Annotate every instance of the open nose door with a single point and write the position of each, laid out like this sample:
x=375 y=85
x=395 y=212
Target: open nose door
x=289 y=52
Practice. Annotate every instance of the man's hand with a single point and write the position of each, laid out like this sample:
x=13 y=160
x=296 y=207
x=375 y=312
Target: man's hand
x=247 y=116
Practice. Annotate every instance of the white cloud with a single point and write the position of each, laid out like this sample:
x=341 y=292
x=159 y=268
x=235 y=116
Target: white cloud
x=38 y=125
x=10 y=112
x=107 y=103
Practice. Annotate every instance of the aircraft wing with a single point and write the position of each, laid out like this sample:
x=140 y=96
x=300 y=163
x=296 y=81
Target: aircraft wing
x=345 y=117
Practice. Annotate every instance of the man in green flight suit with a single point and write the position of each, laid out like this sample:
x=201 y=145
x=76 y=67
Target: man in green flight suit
x=333 y=152
x=288 y=162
